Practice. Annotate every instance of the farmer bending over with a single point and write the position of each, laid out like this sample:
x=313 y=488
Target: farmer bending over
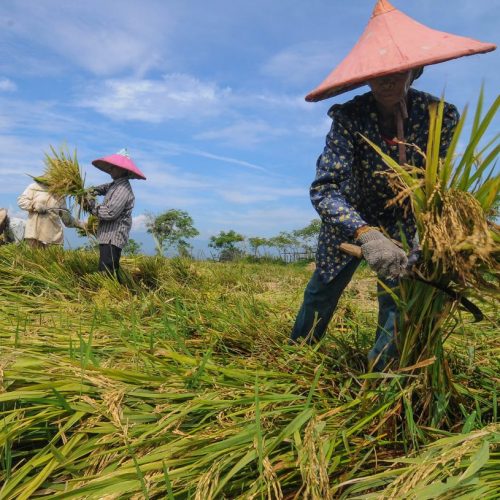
x=115 y=212
x=351 y=190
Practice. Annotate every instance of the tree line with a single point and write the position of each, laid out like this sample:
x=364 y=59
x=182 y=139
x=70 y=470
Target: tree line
x=174 y=228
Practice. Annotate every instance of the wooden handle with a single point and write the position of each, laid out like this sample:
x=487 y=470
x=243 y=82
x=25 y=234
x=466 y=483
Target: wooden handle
x=353 y=250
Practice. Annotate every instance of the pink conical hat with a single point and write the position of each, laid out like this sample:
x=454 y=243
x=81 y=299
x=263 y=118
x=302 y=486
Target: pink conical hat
x=120 y=160
x=392 y=42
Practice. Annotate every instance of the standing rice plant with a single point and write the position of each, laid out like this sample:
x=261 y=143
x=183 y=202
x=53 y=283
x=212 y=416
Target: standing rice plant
x=453 y=200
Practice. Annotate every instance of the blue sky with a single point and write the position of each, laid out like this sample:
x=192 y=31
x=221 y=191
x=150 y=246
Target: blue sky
x=208 y=96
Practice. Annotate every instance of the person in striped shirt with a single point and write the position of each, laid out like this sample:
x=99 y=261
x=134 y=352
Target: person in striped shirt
x=115 y=211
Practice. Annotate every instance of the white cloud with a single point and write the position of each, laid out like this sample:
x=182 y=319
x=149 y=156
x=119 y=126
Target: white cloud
x=175 y=150
x=264 y=222
x=175 y=96
x=7 y=85
x=259 y=193
x=139 y=223
x=243 y=133
x=304 y=63
x=267 y=100
x=19 y=157
x=101 y=37
x=319 y=129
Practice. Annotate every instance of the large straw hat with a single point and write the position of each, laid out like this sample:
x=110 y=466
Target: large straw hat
x=393 y=42
x=121 y=160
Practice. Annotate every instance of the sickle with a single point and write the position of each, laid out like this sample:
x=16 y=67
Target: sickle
x=355 y=251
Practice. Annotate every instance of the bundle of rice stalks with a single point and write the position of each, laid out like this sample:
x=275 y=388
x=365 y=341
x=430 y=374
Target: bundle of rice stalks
x=63 y=175
x=455 y=201
x=91 y=229
x=452 y=200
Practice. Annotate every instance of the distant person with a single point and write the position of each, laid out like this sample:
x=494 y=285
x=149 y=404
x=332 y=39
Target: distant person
x=11 y=228
x=115 y=212
x=351 y=191
x=46 y=215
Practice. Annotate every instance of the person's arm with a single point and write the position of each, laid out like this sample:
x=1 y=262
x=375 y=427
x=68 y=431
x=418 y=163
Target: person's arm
x=66 y=216
x=102 y=189
x=25 y=200
x=333 y=170
x=114 y=206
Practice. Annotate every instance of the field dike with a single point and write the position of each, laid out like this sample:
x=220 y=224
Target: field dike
x=181 y=384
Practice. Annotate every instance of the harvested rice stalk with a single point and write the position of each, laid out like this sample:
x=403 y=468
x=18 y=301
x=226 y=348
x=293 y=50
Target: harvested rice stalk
x=452 y=200
x=462 y=466
x=64 y=176
x=459 y=240
x=91 y=229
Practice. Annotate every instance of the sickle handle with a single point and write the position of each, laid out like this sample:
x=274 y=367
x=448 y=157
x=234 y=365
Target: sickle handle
x=353 y=250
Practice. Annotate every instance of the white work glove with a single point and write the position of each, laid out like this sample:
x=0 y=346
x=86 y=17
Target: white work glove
x=382 y=255
x=39 y=208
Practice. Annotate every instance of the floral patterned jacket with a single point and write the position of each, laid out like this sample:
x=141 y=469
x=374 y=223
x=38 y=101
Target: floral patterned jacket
x=349 y=190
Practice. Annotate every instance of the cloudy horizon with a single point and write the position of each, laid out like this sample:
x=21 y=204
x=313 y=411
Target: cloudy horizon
x=208 y=99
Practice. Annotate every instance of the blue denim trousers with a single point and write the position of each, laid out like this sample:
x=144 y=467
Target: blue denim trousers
x=320 y=301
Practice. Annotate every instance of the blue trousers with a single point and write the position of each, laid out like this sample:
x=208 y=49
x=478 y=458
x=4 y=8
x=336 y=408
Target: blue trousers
x=320 y=301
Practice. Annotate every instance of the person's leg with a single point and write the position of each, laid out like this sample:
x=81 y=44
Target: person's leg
x=33 y=243
x=116 y=253
x=109 y=259
x=320 y=301
x=384 y=350
x=105 y=258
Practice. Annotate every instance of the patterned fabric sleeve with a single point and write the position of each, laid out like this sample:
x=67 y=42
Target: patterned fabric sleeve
x=451 y=117
x=333 y=170
x=114 y=206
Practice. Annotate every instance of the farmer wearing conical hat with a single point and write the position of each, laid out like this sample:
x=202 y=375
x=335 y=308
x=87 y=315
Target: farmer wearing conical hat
x=350 y=191
x=46 y=215
x=115 y=212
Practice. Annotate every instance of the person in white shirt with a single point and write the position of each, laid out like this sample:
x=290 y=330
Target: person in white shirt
x=46 y=215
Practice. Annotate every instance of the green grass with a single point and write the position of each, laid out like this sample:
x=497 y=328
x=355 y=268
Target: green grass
x=181 y=384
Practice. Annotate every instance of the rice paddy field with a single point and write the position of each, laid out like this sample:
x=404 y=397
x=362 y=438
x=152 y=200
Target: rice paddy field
x=180 y=383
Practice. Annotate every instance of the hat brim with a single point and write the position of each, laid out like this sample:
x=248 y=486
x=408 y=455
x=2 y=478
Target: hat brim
x=107 y=166
x=393 y=42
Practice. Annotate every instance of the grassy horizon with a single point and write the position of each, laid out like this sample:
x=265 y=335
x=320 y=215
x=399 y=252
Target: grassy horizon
x=181 y=384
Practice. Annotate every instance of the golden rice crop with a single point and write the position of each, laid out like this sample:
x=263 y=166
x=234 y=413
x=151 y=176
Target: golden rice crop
x=63 y=173
x=181 y=384
x=91 y=228
x=452 y=199
x=64 y=177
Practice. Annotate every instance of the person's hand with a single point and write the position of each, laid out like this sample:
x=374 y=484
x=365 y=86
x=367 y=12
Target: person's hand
x=88 y=205
x=382 y=255
x=39 y=208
